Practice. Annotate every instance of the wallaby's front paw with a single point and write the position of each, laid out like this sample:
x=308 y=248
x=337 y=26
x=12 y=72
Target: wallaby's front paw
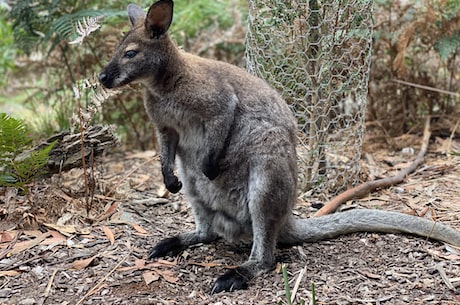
x=167 y=247
x=230 y=281
x=172 y=184
x=210 y=167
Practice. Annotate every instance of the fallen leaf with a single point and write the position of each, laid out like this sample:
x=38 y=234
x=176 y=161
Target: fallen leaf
x=109 y=234
x=116 y=218
x=6 y=237
x=109 y=211
x=56 y=238
x=25 y=245
x=83 y=263
x=9 y=273
x=138 y=228
x=34 y=233
x=140 y=264
x=67 y=230
x=150 y=276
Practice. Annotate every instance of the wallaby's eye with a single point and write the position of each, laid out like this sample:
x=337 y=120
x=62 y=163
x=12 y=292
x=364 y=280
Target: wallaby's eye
x=130 y=54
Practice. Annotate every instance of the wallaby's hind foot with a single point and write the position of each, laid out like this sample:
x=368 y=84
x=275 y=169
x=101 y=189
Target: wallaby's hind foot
x=167 y=247
x=235 y=279
x=239 y=278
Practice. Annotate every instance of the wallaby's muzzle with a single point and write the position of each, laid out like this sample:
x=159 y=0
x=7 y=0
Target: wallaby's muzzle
x=109 y=76
x=105 y=79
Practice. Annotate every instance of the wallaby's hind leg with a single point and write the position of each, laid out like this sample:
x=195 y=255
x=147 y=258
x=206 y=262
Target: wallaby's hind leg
x=203 y=234
x=268 y=196
x=261 y=260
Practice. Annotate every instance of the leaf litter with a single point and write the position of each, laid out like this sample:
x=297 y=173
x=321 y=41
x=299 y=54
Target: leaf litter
x=60 y=255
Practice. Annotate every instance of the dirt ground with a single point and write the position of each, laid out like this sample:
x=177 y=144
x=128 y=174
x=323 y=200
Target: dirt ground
x=52 y=253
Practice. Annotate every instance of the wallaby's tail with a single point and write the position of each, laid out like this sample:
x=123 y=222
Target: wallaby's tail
x=365 y=220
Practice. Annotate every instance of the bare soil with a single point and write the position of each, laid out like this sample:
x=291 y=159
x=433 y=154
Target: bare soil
x=52 y=252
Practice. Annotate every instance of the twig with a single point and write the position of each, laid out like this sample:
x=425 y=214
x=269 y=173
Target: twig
x=444 y=277
x=96 y=287
x=50 y=282
x=82 y=149
x=367 y=187
x=425 y=87
x=93 y=181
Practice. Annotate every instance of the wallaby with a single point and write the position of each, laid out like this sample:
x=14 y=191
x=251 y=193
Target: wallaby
x=234 y=141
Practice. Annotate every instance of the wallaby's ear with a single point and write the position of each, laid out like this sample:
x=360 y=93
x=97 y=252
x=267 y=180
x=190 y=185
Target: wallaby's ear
x=135 y=14
x=159 y=18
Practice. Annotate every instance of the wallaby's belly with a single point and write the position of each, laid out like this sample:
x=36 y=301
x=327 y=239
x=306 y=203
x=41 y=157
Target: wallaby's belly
x=226 y=197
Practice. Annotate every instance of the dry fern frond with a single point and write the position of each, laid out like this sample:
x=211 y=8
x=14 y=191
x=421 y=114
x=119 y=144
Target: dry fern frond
x=451 y=26
x=100 y=94
x=401 y=46
x=85 y=27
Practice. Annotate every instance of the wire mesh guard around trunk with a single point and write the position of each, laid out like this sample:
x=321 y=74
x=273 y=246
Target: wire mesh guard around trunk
x=317 y=55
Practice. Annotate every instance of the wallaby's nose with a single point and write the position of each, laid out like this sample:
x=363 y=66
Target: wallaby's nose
x=102 y=77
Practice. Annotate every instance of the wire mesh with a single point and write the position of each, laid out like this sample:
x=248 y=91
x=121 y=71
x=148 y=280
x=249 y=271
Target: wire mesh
x=317 y=55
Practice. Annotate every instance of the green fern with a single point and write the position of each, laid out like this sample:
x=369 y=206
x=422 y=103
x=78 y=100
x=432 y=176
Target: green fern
x=18 y=168
x=448 y=45
x=45 y=24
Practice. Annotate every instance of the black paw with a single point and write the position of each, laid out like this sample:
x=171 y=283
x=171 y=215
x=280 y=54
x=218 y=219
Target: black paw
x=210 y=167
x=167 y=247
x=172 y=184
x=232 y=280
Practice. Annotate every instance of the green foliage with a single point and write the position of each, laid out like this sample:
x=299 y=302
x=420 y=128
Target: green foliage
x=7 y=48
x=192 y=16
x=448 y=46
x=17 y=168
x=287 y=289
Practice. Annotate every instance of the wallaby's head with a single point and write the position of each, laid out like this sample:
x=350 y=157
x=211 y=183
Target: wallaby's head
x=143 y=52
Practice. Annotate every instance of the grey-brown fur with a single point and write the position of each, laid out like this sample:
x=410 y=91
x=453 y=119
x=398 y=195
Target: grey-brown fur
x=233 y=139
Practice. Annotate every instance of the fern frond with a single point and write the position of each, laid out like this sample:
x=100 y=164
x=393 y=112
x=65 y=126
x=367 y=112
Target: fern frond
x=13 y=137
x=16 y=169
x=100 y=94
x=64 y=26
x=33 y=165
x=448 y=46
x=85 y=27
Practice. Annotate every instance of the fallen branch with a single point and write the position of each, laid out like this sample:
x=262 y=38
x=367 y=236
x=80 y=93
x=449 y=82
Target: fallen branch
x=67 y=152
x=367 y=187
